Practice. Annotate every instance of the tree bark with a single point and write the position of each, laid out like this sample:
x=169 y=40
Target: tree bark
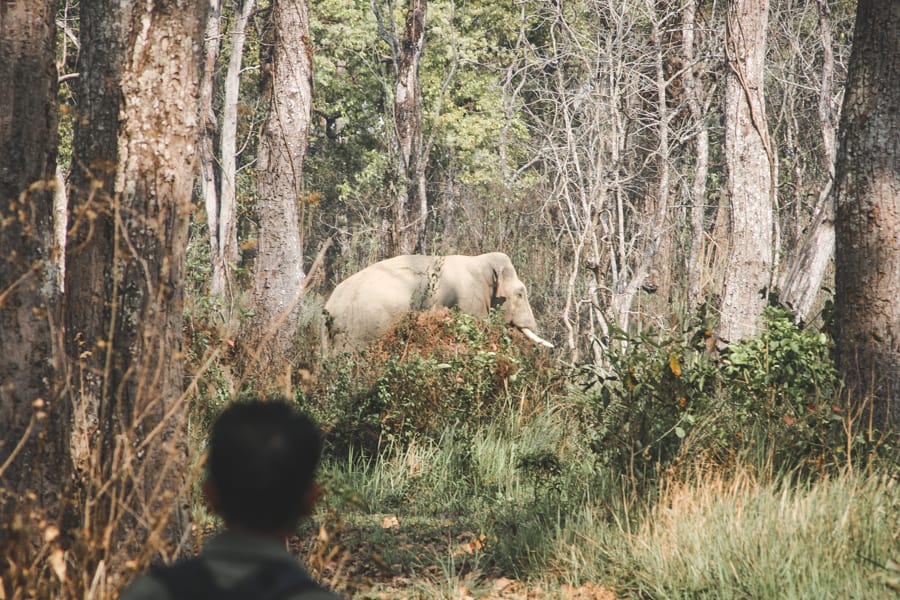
x=209 y=125
x=135 y=148
x=693 y=91
x=278 y=269
x=802 y=281
x=867 y=204
x=750 y=164
x=28 y=290
x=411 y=205
x=226 y=254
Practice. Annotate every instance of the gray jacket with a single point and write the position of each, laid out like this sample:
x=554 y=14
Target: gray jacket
x=230 y=558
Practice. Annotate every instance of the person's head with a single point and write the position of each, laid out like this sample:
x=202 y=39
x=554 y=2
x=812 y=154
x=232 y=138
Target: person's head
x=261 y=463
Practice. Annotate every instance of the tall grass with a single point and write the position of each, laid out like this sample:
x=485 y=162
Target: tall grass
x=459 y=471
x=728 y=535
x=715 y=534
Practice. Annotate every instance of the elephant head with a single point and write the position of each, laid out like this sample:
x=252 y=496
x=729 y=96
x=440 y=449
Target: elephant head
x=365 y=305
x=510 y=295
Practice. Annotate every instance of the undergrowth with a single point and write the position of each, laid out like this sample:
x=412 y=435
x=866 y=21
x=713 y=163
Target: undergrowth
x=460 y=458
x=672 y=470
x=660 y=401
x=432 y=371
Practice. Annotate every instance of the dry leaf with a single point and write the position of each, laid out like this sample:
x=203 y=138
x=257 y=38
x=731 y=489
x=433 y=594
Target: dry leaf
x=51 y=533
x=674 y=365
x=58 y=562
x=502 y=583
x=390 y=522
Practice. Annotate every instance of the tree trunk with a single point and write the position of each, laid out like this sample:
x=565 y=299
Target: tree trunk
x=656 y=230
x=867 y=204
x=226 y=255
x=411 y=205
x=750 y=164
x=89 y=251
x=28 y=289
x=693 y=87
x=136 y=145
x=802 y=281
x=209 y=126
x=279 y=263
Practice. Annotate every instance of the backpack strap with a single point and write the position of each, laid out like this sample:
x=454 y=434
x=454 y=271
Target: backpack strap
x=191 y=579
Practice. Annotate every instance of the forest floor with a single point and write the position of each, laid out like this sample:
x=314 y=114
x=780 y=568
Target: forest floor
x=380 y=557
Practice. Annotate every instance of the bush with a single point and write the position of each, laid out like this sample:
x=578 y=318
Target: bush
x=783 y=387
x=659 y=401
x=639 y=406
x=433 y=370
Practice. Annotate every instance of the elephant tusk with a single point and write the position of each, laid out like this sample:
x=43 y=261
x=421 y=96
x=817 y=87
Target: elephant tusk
x=536 y=338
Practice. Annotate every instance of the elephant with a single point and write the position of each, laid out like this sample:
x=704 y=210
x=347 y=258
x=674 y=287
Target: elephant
x=365 y=305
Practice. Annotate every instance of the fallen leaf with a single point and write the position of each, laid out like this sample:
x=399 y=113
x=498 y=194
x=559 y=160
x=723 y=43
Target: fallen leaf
x=390 y=522
x=502 y=583
x=58 y=562
x=51 y=533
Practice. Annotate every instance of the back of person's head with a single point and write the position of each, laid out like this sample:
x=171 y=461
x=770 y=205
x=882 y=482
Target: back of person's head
x=262 y=459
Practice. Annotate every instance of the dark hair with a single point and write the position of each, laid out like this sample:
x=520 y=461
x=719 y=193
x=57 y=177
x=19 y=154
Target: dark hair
x=262 y=459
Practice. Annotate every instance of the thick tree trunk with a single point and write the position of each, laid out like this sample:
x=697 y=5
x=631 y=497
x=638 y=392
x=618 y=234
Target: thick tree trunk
x=28 y=289
x=136 y=145
x=89 y=251
x=279 y=263
x=867 y=204
x=750 y=164
x=411 y=205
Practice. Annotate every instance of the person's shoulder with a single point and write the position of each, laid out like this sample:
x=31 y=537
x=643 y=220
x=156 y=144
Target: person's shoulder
x=317 y=593
x=286 y=581
x=146 y=587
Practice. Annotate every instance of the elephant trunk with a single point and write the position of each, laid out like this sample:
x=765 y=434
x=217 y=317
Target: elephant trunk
x=536 y=338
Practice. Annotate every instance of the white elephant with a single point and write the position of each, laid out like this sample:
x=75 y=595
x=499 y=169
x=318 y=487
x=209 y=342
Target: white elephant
x=365 y=305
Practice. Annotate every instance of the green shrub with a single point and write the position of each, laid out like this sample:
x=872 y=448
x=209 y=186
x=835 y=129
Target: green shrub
x=639 y=405
x=659 y=401
x=782 y=387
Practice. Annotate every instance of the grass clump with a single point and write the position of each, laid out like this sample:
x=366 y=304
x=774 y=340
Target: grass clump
x=733 y=536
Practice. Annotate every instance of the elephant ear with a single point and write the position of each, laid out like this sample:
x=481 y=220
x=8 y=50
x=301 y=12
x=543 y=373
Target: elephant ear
x=499 y=291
